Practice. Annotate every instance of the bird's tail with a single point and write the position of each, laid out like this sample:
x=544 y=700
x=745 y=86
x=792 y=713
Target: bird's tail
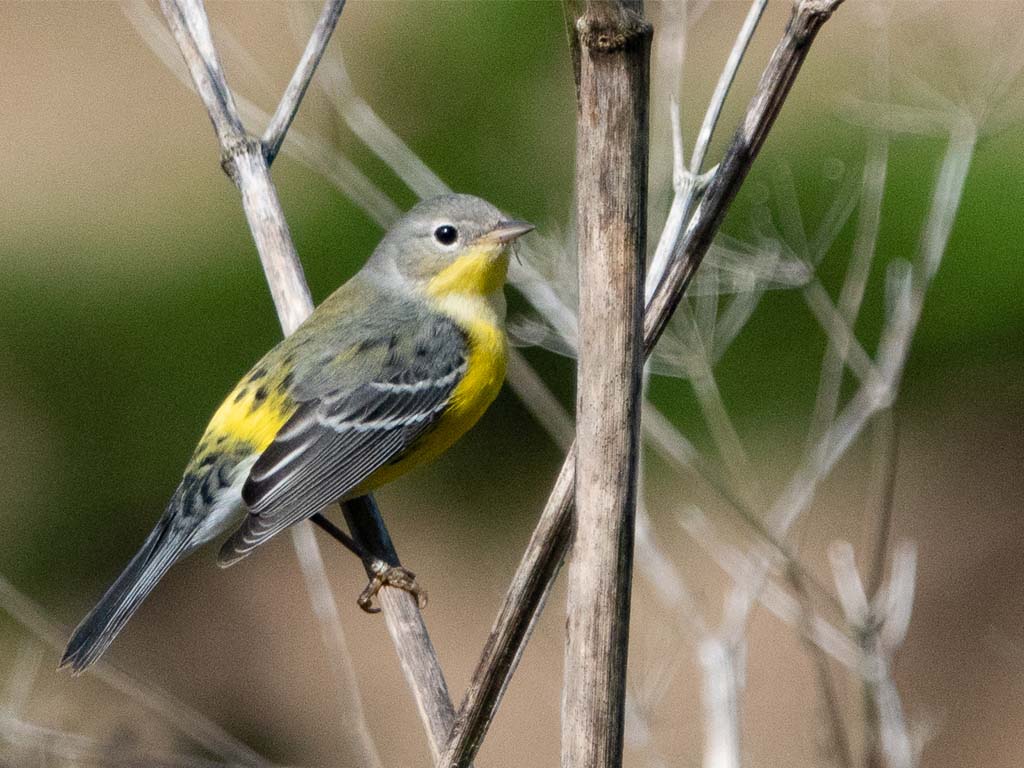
x=163 y=547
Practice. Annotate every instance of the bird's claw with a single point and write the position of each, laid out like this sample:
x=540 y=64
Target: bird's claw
x=396 y=576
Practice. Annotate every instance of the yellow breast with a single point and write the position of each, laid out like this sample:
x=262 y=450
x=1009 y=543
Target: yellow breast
x=468 y=292
x=485 y=372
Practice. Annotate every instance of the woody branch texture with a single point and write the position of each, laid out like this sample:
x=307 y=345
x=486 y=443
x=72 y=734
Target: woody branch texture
x=542 y=560
x=611 y=211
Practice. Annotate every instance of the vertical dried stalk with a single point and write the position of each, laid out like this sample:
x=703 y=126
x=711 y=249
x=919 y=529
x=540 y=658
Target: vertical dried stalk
x=611 y=190
x=544 y=553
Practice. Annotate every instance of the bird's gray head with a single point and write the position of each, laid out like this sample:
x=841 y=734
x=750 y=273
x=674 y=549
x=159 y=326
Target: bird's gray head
x=449 y=244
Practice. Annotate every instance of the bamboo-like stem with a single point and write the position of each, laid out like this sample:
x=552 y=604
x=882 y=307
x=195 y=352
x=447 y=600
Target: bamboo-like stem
x=611 y=195
x=542 y=559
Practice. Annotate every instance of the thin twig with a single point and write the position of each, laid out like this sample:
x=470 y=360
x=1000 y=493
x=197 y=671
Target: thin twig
x=77 y=749
x=838 y=743
x=544 y=553
x=886 y=460
x=746 y=573
x=725 y=81
x=289 y=104
x=332 y=635
x=722 y=677
x=689 y=183
x=854 y=283
x=779 y=76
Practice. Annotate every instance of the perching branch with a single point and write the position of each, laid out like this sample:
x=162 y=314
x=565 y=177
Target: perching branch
x=246 y=160
x=611 y=209
x=405 y=625
x=544 y=553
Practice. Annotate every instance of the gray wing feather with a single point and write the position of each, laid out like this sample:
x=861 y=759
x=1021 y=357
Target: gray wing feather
x=332 y=443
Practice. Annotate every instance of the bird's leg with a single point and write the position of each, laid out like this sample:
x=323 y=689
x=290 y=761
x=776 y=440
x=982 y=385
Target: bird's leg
x=383 y=574
x=342 y=538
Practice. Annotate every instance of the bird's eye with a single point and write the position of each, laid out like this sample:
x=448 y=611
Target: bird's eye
x=446 y=234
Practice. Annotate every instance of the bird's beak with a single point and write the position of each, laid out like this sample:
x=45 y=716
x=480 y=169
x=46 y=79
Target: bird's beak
x=507 y=231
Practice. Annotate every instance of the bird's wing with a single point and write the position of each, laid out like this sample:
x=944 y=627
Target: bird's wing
x=333 y=442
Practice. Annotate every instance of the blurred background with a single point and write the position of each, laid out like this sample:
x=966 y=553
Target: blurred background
x=131 y=300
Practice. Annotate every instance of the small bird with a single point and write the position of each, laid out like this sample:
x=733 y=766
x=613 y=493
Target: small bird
x=383 y=376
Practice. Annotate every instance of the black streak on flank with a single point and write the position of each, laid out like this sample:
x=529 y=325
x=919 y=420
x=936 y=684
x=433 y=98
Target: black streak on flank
x=207 y=493
x=241 y=394
x=260 y=396
x=287 y=380
x=258 y=374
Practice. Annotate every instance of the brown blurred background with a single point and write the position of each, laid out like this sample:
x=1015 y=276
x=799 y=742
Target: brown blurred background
x=131 y=300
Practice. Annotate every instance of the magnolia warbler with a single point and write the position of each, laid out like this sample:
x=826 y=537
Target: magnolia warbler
x=385 y=375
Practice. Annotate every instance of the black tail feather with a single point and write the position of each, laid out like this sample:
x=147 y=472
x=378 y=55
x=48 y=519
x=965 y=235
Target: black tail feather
x=94 y=634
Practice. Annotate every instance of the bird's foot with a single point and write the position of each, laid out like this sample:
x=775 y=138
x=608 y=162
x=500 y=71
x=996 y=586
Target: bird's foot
x=385 y=575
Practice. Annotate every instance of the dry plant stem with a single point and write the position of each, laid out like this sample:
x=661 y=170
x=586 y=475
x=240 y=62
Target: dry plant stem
x=611 y=186
x=405 y=625
x=523 y=602
x=244 y=161
x=287 y=108
x=886 y=454
x=838 y=744
x=542 y=559
x=779 y=76
x=30 y=744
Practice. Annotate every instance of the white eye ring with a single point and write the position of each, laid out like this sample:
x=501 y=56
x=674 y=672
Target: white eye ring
x=446 y=234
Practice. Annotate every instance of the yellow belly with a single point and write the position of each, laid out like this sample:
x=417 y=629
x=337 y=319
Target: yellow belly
x=485 y=371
